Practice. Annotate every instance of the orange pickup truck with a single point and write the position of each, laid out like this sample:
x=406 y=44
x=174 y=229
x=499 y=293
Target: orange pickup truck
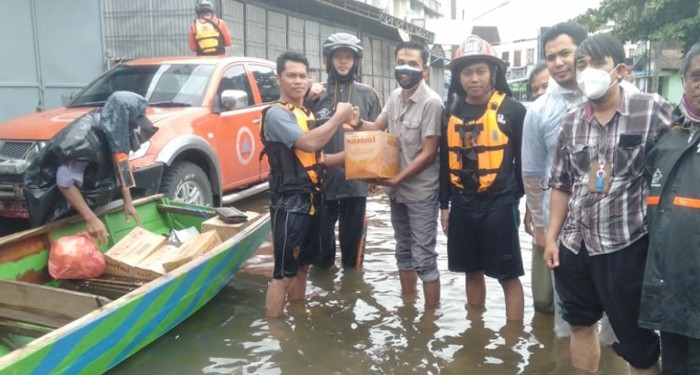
x=208 y=112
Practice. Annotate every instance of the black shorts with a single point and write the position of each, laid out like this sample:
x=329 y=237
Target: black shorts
x=295 y=241
x=588 y=285
x=485 y=241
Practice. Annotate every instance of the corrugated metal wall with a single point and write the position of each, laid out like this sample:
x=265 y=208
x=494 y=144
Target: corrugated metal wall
x=147 y=28
x=255 y=32
x=45 y=53
x=277 y=35
x=231 y=13
x=312 y=47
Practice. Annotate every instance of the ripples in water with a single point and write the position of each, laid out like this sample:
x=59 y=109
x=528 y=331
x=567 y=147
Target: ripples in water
x=358 y=323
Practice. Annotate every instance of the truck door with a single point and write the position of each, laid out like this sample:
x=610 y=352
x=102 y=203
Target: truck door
x=239 y=134
x=266 y=82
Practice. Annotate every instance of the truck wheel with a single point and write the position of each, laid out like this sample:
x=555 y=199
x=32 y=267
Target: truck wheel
x=186 y=182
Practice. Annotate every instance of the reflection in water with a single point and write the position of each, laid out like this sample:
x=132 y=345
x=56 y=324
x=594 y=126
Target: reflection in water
x=358 y=323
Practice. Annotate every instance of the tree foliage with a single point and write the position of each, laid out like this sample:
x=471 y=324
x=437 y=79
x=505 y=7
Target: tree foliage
x=640 y=20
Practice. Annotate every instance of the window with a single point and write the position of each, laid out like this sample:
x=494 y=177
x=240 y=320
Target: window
x=267 y=83
x=530 y=56
x=516 y=58
x=235 y=78
x=505 y=56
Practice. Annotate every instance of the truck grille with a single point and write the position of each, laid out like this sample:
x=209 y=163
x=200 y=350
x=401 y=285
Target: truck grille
x=14 y=150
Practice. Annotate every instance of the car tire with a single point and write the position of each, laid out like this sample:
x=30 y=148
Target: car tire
x=186 y=182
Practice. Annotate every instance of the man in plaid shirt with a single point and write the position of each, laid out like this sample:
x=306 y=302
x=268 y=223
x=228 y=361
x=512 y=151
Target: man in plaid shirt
x=598 y=204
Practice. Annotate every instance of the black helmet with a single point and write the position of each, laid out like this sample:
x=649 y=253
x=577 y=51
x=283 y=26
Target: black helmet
x=204 y=6
x=342 y=40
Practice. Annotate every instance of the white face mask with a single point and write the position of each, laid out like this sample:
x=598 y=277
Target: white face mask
x=594 y=83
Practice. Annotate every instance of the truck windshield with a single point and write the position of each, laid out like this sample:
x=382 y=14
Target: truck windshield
x=175 y=84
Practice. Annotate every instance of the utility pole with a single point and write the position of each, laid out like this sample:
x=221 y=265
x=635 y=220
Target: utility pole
x=655 y=50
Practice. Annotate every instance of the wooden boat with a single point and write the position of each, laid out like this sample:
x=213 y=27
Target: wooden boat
x=90 y=326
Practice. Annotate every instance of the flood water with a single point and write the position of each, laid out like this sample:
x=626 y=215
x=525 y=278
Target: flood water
x=357 y=323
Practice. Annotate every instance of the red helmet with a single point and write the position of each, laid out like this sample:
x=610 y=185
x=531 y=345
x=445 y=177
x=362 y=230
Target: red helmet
x=476 y=49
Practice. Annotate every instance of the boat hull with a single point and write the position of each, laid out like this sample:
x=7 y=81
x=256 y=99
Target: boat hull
x=107 y=336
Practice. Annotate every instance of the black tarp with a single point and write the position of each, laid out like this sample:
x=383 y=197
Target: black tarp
x=92 y=138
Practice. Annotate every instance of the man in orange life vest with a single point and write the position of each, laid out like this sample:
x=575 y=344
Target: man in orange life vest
x=209 y=35
x=480 y=181
x=294 y=147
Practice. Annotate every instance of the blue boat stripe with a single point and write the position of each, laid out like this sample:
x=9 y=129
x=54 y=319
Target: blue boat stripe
x=242 y=258
x=155 y=323
x=54 y=356
x=157 y=320
x=195 y=301
x=61 y=352
x=110 y=341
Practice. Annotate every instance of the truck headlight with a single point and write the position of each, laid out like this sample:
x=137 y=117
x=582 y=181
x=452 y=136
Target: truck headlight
x=140 y=152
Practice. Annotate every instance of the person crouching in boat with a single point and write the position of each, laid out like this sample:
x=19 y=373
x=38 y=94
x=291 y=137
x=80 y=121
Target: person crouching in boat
x=294 y=146
x=86 y=163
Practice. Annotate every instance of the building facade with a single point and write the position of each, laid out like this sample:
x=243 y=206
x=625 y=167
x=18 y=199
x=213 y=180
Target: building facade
x=54 y=56
x=520 y=57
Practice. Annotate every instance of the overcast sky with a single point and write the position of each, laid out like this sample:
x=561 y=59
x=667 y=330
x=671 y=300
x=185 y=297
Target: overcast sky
x=518 y=19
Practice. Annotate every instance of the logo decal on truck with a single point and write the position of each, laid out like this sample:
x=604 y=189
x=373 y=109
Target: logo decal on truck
x=245 y=145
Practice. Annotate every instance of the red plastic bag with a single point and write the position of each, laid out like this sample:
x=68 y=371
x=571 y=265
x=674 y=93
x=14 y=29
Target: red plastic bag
x=76 y=257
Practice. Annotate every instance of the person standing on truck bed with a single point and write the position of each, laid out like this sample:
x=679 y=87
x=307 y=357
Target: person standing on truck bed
x=209 y=35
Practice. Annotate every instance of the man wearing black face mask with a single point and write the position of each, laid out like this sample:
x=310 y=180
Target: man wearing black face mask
x=84 y=164
x=412 y=113
x=344 y=201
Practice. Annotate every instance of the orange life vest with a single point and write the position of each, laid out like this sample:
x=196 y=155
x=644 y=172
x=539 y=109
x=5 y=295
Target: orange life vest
x=299 y=172
x=476 y=149
x=310 y=160
x=208 y=36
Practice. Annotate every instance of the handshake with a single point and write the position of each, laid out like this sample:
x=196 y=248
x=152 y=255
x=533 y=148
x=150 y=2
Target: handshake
x=345 y=114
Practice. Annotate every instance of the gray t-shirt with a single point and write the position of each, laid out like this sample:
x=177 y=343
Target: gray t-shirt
x=281 y=127
x=412 y=120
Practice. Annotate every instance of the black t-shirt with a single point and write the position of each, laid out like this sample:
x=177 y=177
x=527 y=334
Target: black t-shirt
x=335 y=186
x=508 y=186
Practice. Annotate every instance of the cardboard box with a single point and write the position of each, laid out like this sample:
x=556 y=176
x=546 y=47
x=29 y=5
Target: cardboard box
x=126 y=258
x=224 y=230
x=126 y=254
x=153 y=266
x=371 y=154
x=193 y=248
x=154 y=262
